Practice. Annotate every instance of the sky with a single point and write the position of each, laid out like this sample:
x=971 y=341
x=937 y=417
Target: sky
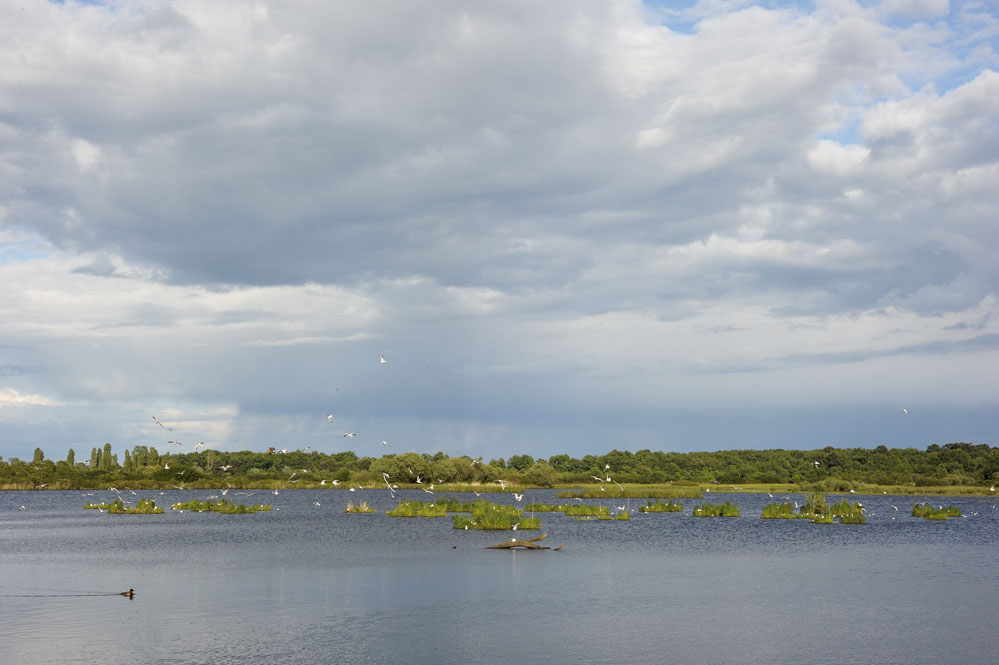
x=569 y=226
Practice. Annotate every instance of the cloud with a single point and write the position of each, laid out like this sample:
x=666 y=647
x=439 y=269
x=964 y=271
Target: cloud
x=11 y=397
x=541 y=213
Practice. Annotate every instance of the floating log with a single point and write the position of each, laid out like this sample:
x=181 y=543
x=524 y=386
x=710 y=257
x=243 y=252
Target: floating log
x=530 y=544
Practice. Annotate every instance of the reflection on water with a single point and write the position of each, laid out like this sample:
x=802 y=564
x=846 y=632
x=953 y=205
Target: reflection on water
x=307 y=584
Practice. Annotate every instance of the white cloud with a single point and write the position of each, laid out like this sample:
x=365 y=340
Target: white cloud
x=11 y=397
x=836 y=159
x=228 y=209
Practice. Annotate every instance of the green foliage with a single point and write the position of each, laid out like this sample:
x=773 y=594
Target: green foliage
x=853 y=518
x=223 y=506
x=821 y=513
x=782 y=511
x=118 y=507
x=716 y=510
x=541 y=475
x=542 y=508
x=452 y=505
x=950 y=468
x=495 y=516
x=822 y=519
x=940 y=513
x=662 y=507
x=815 y=506
x=417 y=509
x=623 y=516
x=577 y=509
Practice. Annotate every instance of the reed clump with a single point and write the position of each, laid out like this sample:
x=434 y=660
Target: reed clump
x=583 y=509
x=417 y=509
x=118 y=507
x=485 y=515
x=360 y=508
x=782 y=511
x=453 y=505
x=853 y=518
x=622 y=516
x=815 y=506
x=223 y=506
x=820 y=512
x=726 y=509
x=542 y=508
x=658 y=506
x=927 y=511
x=845 y=507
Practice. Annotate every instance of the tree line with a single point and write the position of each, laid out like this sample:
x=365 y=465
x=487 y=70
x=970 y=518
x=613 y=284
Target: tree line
x=828 y=468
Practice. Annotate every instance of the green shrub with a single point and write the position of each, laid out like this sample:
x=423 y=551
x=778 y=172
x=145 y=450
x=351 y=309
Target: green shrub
x=417 y=509
x=577 y=509
x=222 y=506
x=716 y=510
x=658 y=506
x=853 y=518
x=541 y=508
x=940 y=513
x=495 y=517
x=781 y=511
x=815 y=505
x=118 y=507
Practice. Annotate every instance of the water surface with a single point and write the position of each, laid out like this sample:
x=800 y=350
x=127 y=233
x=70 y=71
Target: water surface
x=310 y=584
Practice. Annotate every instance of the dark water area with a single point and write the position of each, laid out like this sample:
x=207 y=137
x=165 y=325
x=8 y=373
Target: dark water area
x=308 y=583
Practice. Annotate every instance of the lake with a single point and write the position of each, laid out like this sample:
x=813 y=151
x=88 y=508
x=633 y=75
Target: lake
x=307 y=583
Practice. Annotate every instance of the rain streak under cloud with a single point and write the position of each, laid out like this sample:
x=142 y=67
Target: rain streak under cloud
x=568 y=226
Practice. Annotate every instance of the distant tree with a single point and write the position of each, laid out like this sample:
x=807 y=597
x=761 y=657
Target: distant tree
x=443 y=470
x=520 y=462
x=541 y=474
x=39 y=456
x=71 y=457
x=108 y=461
x=560 y=462
x=95 y=458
